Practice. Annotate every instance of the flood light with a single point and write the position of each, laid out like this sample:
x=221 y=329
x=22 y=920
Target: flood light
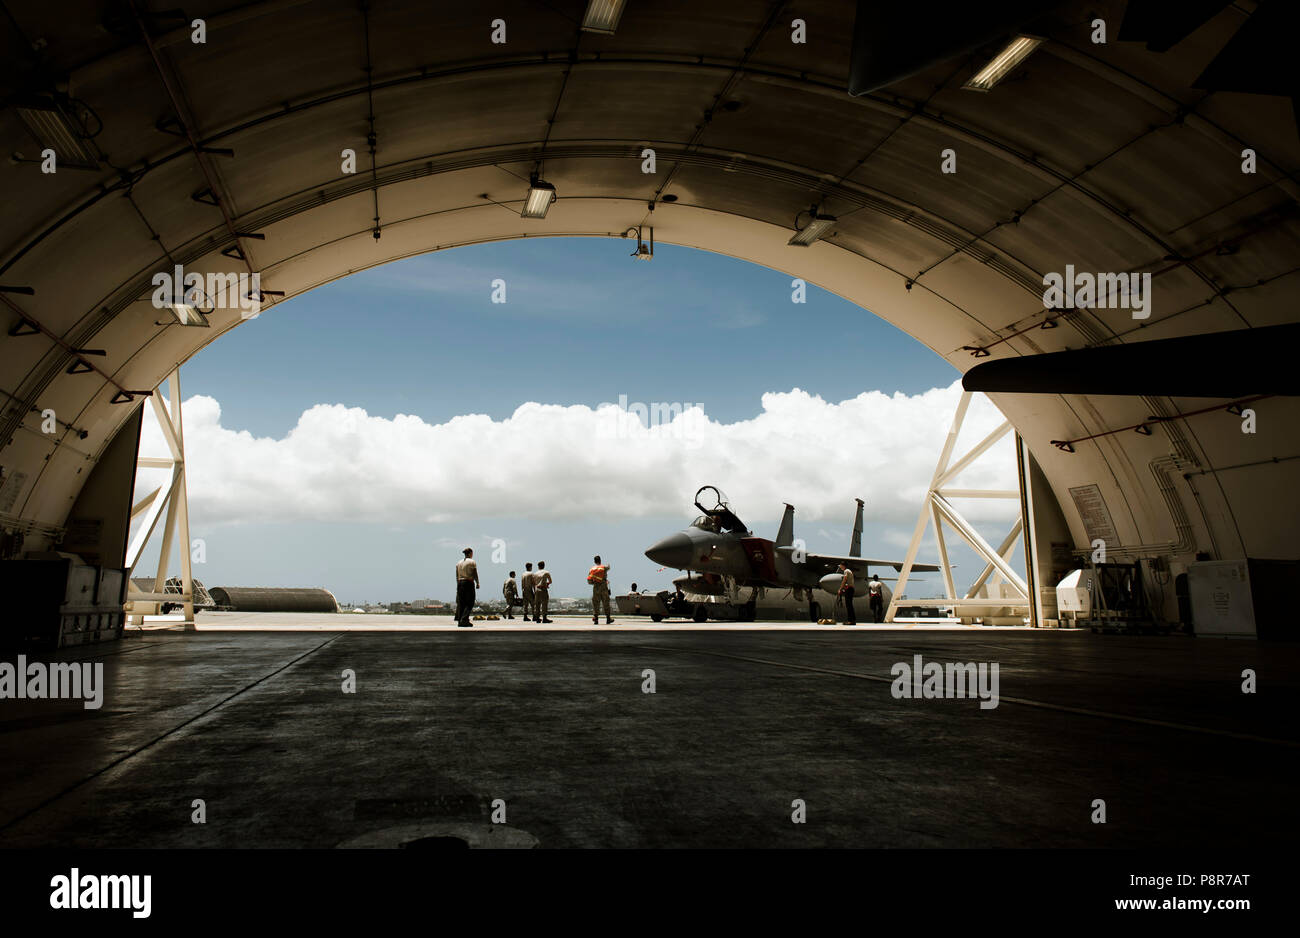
x=54 y=128
x=810 y=232
x=183 y=311
x=1017 y=51
x=602 y=16
x=644 y=251
x=186 y=311
x=540 y=196
x=186 y=307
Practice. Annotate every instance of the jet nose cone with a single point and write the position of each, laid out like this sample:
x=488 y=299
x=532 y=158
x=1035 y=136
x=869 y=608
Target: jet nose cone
x=676 y=550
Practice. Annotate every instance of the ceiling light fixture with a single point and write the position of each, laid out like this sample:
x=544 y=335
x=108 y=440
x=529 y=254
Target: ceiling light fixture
x=1016 y=51
x=183 y=311
x=602 y=16
x=816 y=227
x=644 y=251
x=186 y=309
x=54 y=127
x=187 y=306
x=540 y=196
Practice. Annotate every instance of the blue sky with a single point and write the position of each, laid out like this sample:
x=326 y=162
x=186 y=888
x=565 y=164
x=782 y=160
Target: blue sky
x=583 y=323
x=375 y=506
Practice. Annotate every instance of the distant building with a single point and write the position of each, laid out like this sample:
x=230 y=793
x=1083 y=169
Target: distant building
x=274 y=599
x=202 y=599
x=421 y=607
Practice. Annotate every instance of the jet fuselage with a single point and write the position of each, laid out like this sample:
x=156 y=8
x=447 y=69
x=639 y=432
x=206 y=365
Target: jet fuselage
x=750 y=561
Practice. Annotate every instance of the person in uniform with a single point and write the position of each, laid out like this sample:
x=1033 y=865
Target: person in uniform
x=466 y=583
x=876 y=597
x=598 y=577
x=846 y=590
x=510 y=590
x=529 y=580
x=541 y=593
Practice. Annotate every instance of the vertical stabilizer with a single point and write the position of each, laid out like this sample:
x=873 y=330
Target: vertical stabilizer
x=855 y=545
x=785 y=534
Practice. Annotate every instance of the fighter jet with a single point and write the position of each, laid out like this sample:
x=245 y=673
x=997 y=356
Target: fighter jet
x=720 y=554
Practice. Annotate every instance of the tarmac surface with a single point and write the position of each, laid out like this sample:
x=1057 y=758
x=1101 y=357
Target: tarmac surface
x=380 y=622
x=742 y=723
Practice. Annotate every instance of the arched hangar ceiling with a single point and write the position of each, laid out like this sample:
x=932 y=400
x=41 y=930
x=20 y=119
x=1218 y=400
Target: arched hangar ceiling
x=225 y=156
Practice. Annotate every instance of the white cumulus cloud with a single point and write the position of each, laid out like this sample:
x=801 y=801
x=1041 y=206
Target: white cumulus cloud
x=548 y=461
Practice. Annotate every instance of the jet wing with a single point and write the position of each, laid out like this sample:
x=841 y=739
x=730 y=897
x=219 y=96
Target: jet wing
x=858 y=564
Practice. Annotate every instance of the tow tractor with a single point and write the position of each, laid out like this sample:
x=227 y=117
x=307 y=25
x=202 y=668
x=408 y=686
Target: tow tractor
x=669 y=604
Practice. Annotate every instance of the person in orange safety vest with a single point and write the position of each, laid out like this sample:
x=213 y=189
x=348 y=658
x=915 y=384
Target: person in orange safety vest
x=598 y=577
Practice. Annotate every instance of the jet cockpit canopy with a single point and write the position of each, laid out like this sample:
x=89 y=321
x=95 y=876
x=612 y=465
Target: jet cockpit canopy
x=718 y=515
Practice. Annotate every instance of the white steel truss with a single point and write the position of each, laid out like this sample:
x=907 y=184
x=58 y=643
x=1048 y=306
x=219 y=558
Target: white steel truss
x=172 y=496
x=937 y=510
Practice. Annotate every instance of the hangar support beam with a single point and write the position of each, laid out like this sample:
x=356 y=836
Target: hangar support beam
x=172 y=496
x=937 y=510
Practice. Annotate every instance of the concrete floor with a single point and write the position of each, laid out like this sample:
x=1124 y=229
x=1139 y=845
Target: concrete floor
x=379 y=622
x=743 y=722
